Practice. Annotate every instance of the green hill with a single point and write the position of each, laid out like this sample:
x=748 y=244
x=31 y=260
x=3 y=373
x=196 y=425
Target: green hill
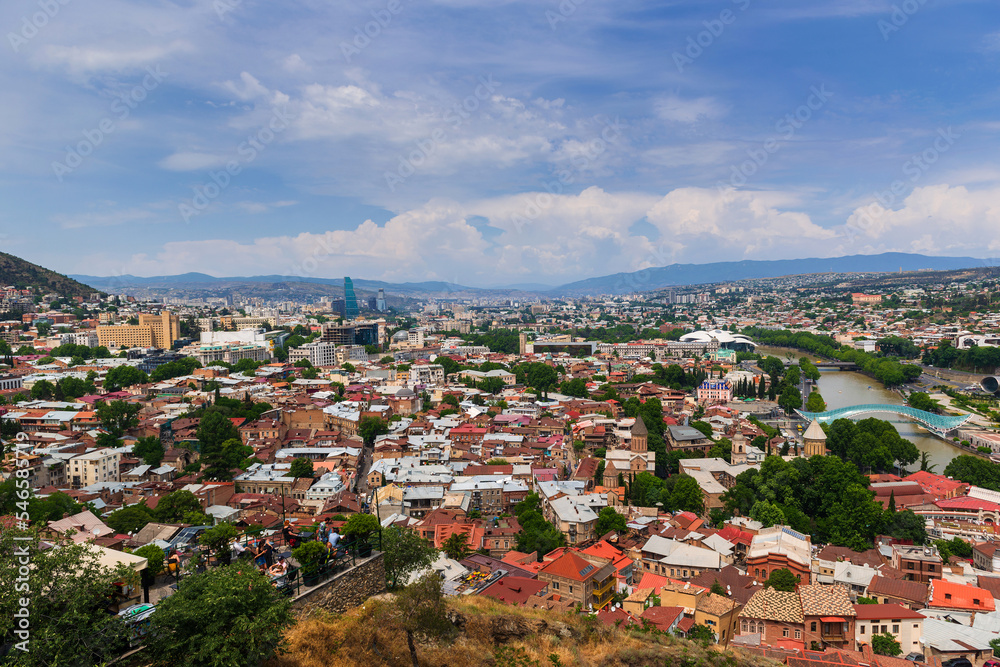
x=22 y=274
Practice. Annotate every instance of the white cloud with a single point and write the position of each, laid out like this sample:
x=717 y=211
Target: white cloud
x=679 y=110
x=108 y=218
x=192 y=161
x=937 y=219
x=255 y=207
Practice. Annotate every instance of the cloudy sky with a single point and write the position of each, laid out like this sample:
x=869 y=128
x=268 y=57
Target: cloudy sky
x=493 y=142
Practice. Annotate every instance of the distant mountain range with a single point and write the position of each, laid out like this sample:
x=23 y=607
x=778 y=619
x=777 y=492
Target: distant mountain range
x=23 y=274
x=674 y=275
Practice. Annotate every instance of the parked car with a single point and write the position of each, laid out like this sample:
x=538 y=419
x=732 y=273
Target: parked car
x=915 y=657
x=957 y=662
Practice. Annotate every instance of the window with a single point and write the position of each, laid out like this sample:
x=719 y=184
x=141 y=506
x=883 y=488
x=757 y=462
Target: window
x=884 y=629
x=909 y=566
x=555 y=585
x=895 y=629
x=570 y=589
x=947 y=596
x=784 y=632
x=798 y=633
x=975 y=601
x=931 y=567
x=685 y=574
x=812 y=627
x=862 y=629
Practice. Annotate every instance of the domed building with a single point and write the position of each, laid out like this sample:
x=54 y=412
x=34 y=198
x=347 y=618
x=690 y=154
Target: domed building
x=814 y=440
x=725 y=339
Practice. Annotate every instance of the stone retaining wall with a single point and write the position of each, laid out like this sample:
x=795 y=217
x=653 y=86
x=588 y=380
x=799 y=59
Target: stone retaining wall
x=346 y=590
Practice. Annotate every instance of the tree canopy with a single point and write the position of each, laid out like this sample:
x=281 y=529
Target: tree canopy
x=229 y=615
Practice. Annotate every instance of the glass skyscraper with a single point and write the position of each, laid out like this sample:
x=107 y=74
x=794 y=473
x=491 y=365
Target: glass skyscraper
x=351 y=310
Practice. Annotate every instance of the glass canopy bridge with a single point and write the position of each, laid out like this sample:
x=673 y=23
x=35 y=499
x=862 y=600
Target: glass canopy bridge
x=939 y=424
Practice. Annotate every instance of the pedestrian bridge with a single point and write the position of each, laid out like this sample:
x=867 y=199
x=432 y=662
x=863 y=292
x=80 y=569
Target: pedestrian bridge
x=938 y=423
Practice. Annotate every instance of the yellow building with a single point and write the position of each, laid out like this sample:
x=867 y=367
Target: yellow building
x=158 y=331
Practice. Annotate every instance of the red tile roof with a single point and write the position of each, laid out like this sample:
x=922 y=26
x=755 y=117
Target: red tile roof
x=514 y=590
x=570 y=566
x=875 y=612
x=950 y=595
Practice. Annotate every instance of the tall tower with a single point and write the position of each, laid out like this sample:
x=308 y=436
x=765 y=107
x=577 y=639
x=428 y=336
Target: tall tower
x=380 y=301
x=351 y=309
x=739 y=455
x=640 y=437
x=814 y=440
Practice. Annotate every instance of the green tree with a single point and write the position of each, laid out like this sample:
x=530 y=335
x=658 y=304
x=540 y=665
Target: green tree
x=218 y=539
x=175 y=505
x=405 y=553
x=220 y=462
x=609 y=520
x=782 y=580
x=886 y=644
x=767 y=513
x=456 y=546
x=117 y=417
x=537 y=534
x=922 y=401
x=42 y=390
x=370 y=428
x=225 y=616
x=907 y=526
x=815 y=402
x=577 y=387
x=790 y=399
x=421 y=608
x=704 y=427
x=360 y=525
x=301 y=467
x=686 y=495
x=150 y=450
x=67 y=591
x=129 y=519
x=120 y=377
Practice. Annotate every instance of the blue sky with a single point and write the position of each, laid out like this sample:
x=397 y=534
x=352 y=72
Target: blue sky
x=493 y=142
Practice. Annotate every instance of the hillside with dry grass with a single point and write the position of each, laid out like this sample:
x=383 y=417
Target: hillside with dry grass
x=482 y=632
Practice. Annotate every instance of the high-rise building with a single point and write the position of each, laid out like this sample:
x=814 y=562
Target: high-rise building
x=351 y=309
x=380 y=301
x=159 y=331
x=372 y=302
x=337 y=306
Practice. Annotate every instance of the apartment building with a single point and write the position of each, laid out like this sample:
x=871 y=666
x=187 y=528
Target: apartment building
x=159 y=331
x=93 y=468
x=317 y=353
x=586 y=580
x=917 y=563
x=906 y=625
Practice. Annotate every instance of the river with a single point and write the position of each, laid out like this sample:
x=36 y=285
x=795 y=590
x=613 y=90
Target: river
x=842 y=389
